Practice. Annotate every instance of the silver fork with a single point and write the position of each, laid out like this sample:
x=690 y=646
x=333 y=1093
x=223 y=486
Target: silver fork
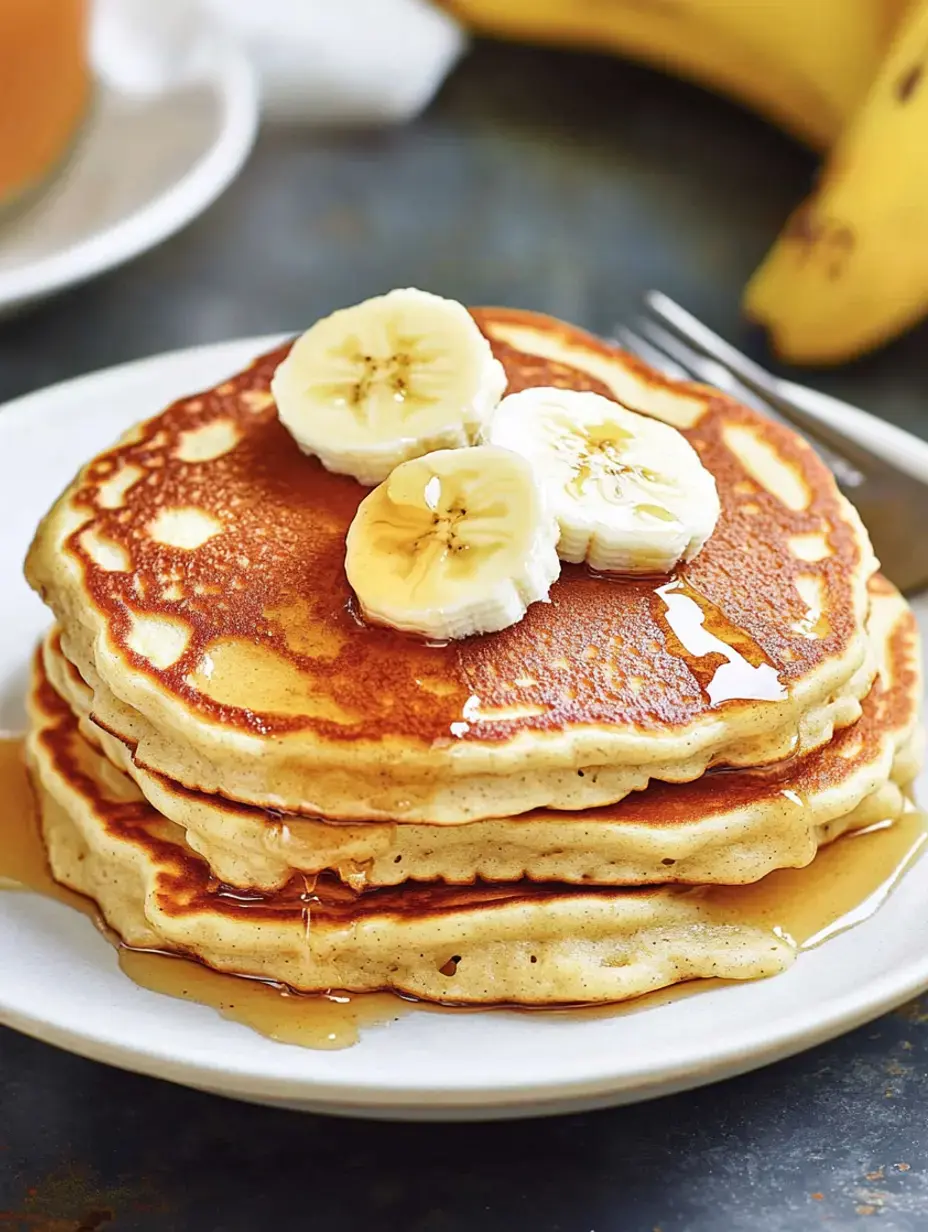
x=877 y=466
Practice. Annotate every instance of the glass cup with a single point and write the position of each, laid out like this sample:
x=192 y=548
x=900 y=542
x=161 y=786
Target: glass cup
x=45 y=88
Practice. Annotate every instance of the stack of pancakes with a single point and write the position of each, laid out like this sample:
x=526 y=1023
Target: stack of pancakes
x=237 y=768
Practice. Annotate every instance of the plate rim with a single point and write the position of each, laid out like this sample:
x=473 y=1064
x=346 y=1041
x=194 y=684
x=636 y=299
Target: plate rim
x=800 y=1027
x=234 y=81
x=515 y=1099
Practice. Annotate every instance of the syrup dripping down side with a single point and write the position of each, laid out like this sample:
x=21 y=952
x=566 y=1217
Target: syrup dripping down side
x=846 y=884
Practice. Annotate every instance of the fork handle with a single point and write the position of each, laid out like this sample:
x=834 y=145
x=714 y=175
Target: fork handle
x=903 y=449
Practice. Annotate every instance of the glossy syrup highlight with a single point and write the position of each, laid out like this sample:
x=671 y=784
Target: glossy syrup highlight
x=704 y=635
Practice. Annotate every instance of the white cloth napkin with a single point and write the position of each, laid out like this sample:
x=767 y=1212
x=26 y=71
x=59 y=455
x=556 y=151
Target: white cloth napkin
x=344 y=61
x=319 y=61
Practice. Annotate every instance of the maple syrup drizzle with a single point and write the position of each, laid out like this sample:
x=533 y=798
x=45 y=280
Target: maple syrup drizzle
x=847 y=883
x=703 y=632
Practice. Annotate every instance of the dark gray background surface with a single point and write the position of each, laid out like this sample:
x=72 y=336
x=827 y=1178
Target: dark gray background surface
x=567 y=184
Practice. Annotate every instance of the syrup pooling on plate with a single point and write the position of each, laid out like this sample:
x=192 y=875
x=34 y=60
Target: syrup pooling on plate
x=22 y=861
x=326 y=1022
x=845 y=885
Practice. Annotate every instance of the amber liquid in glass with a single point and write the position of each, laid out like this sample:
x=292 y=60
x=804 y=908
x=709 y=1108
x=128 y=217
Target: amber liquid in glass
x=44 y=88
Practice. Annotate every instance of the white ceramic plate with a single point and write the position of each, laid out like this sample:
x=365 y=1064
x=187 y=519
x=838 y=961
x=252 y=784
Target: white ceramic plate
x=151 y=157
x=59 y=980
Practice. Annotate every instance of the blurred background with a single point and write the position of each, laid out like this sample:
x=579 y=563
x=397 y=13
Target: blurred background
x=176 y=172
x=179 y=172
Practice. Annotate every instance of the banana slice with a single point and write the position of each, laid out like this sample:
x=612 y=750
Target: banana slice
x=387 y=380
x=629 y=492
x=455 y=543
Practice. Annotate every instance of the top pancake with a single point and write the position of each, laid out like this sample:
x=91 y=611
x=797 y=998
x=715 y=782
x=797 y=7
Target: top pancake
x=197 y=571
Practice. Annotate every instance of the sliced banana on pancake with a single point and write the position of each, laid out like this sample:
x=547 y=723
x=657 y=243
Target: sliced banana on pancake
x=457 y=542
x=629 y=492
x=388 y=380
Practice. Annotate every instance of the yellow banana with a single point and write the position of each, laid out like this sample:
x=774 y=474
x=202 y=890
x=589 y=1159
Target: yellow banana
x=836 y=44
x=804 y=66
x=851 y=267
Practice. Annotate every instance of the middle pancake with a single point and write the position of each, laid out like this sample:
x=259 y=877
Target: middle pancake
x=729 y=827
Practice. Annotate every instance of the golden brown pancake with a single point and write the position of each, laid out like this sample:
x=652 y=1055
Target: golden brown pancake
x=728 y=827
x=197 y=572
x=525 y=943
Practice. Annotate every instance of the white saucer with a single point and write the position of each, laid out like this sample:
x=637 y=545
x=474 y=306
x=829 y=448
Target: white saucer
x=59 y=980
x=144 y=166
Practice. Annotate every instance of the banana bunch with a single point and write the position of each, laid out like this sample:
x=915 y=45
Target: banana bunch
x=847 y=77
x=850 y=269
x=479 y=497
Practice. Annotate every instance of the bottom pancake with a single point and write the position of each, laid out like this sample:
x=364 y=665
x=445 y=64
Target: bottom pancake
x=524 y=943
